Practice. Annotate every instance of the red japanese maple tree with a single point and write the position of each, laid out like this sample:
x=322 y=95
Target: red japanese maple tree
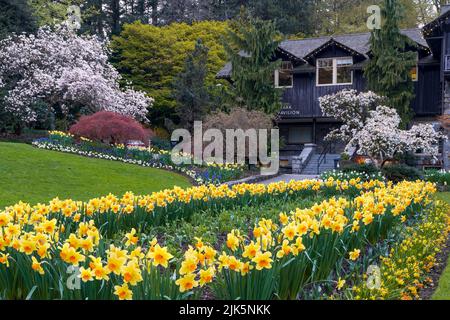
x=110 y=127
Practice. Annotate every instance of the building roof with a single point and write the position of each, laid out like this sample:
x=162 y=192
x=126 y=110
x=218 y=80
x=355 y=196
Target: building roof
x=358 y=42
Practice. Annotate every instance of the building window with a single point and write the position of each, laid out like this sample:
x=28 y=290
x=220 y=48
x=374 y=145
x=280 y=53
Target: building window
x=414 y=72
x=334 y=71
x=283 y=76
x=300 y=135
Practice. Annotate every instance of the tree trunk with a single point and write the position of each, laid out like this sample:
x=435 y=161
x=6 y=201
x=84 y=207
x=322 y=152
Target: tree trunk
x=154 y=5
x=100 y=18
x=115 y=17
x=141 y=11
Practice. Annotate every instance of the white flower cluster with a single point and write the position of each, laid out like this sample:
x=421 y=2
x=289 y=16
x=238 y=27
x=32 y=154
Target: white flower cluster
x=56 y=147
x=374 y=128
x=381 y=138
x=348 y=175
x=59 y=67
x=351 y=108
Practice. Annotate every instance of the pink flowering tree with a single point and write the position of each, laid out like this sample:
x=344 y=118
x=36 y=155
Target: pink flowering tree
x=68 y=73
x=375 y=129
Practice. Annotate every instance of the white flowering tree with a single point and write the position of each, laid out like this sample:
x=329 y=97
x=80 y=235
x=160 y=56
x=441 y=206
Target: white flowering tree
x=351 y=108
x=375 y=129
x=66 y=72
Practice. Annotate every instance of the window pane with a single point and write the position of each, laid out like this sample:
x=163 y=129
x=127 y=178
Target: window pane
x=300 y=135
x=325 y=75
x=285 y=78
x=344 y=75
x=322 y=63
x=413 y=73
x=344 y=62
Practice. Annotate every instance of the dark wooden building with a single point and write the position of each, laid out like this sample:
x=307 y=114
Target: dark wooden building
x=315 y=67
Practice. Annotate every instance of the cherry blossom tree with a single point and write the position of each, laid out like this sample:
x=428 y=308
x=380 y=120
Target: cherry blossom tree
x=375 y=129
x=69 y=73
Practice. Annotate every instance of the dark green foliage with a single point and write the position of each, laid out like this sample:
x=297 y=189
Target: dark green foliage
x=400 y=172
x=368 y=169
x=388 y=72
x=190 y=89
x=160 y=143
x=152 y=57
x=440 y=177
x=251 y=49
x=16 y=16
x=291 y=17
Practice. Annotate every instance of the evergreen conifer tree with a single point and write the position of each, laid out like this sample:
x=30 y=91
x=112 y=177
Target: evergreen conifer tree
x=190 y=90
x=388 y=72
x=251 y=50
x=16 y=16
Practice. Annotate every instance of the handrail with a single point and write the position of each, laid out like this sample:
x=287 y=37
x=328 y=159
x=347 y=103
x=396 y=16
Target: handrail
x=323 y=155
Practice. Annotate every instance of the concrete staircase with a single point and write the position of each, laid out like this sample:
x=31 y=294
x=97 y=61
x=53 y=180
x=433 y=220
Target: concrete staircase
x=311 y=167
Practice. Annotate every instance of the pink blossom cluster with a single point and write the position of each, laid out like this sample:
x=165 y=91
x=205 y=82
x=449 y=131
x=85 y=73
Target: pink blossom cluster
x=61 y=68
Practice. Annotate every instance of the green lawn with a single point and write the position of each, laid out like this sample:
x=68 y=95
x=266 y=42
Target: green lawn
x=443 y=290
x=34 y=175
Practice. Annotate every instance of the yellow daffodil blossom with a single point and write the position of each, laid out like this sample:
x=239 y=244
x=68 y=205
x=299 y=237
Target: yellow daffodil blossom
x=123 y=292
x=340 y=284
x=263 y=260
x=187 y=282
x=159 y=256
x=354 y=255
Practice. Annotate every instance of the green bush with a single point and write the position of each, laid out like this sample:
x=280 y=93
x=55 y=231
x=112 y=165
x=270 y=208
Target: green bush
x=368 y=169
x=161 y=144
x=440 y=177
x=400 y=172
x=348 y=175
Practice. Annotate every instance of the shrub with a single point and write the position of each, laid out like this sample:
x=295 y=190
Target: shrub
x=161 y=133
x=368 y=169
x=400 y=172
x=348 y=175
x=161 y=144
x=110 y=127
x=238 y=118
x=441 y=177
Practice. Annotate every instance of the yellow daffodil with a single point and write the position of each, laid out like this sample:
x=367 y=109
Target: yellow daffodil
x=160 y=256
x=187 y=282
x=263 y=260
x=123 y=292
x=354 y=255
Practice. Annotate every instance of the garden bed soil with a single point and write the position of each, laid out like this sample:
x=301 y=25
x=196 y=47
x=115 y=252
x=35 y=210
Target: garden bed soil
x=442 y=257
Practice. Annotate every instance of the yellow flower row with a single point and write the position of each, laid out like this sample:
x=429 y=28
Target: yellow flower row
x=274 y=241
x=403 y=272
x=43 y=236
x=129 y=203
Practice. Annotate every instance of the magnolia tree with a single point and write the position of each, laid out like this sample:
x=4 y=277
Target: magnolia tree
x=375 y=129
x=65 y=71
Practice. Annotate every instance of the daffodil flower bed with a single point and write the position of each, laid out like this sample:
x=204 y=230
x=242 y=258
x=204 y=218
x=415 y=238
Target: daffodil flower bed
x=115 y=214
x=142 y=156
x=41 y=246
x=404 y=270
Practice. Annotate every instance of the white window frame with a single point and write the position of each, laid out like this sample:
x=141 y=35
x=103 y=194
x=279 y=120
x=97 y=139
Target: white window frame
x=334 y=72
x=277 y=78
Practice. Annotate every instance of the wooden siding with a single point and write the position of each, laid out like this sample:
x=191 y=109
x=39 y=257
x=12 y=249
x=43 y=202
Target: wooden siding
x=301 y=101
x=428 y=92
